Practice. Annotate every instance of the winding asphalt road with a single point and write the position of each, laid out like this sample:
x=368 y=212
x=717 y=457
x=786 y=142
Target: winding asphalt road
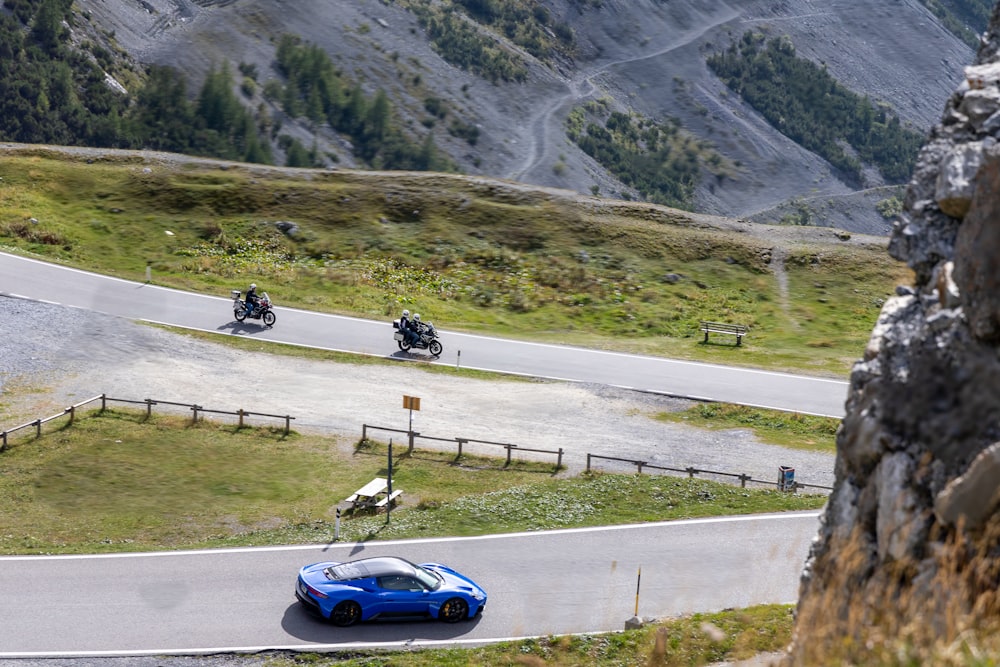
x=140 y=301
x=554 y=582
x=558 y=582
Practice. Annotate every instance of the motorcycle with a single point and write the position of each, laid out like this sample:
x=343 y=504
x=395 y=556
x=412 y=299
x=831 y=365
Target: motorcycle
x=262 y=311
x=428 y=339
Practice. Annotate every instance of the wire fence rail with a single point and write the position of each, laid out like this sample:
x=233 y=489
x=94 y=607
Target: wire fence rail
x=692 y=472
x=197 y=412
x=461 y=442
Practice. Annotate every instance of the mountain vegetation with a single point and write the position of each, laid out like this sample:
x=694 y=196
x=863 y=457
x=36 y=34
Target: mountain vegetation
x=455 y=28
x=964 y=18
x=804 y=102
x=56 y=93
x=660 y=160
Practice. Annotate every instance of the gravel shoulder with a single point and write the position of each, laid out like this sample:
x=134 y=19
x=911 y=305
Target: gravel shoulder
x=52 y=357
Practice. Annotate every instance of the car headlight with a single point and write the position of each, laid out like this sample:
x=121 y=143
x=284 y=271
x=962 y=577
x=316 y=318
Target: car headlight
x=479 y=595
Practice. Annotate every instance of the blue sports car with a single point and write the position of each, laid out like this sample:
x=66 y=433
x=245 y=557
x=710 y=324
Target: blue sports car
x=387 y=587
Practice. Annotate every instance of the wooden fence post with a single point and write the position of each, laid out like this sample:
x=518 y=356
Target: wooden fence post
x=288 y=424
x=194 y=410
x=743 y=480
x=38 y=428
x=149 y=408
x=364 y=432
x=588 y=461
x=559 y=460
x=509 y=447
x=240 y=413
x=640 y=464
x=104 y=402
x=461 y=441
x=72 y=413
x=691 y=472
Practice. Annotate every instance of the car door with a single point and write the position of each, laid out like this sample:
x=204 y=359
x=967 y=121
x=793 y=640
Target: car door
x=402 y=595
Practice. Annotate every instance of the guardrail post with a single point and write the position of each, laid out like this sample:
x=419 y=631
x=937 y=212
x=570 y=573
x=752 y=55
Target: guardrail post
x=692 y=472
x=461 y=441
x=412 y=435
x=194 y=410
x=149 y=408
x=38 y=428
x=588 y=461
x=240 y=413
x=104 y=402
x=743 y=480
x=640 y=464
x=509 y=447
x=288 y=424
x=559 y=459
x=364 y=432
x=3 y=441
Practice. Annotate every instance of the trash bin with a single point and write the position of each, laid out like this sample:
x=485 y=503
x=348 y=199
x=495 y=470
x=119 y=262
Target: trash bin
x=786 y=478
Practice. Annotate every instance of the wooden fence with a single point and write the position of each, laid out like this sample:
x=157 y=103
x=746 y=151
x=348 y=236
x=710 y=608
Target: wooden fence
x=413 y=435
x=692 y=472
x=196 y=410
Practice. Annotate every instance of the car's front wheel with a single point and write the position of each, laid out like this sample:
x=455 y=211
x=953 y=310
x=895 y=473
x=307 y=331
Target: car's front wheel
x=345 y=613
x=454 y=610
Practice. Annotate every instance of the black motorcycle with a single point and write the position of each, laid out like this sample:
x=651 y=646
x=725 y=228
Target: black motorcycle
x=261 y=311
x=427 y=339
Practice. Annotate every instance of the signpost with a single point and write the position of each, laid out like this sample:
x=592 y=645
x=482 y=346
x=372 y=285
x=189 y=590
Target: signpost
x=388 y=505
x=411 y=403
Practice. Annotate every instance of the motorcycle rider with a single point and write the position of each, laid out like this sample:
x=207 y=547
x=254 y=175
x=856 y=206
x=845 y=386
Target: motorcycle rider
x=417 y=327
x=252 y=299
x=406 y=326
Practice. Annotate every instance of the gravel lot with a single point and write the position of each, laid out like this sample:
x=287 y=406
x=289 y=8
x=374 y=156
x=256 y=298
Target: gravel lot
x=52 y=357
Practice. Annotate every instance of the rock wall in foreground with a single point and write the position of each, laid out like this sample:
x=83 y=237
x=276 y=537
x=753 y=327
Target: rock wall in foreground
x=909 y=543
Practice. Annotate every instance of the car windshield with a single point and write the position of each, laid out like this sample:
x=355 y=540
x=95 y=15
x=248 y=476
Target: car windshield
x=430 y=580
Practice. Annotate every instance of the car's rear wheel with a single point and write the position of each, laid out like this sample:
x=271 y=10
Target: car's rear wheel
x=345 y=613
x=454 y=610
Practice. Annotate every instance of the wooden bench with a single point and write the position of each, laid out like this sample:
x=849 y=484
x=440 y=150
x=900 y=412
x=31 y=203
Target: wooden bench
x=738 y=330
x=391 y=498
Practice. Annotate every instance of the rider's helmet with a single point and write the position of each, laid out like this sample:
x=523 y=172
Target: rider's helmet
x=416 y=318
x=253 y=285
x=406 y=313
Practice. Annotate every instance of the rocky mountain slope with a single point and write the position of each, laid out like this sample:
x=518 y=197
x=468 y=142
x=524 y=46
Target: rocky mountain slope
x=646 y=56
x=907 y=555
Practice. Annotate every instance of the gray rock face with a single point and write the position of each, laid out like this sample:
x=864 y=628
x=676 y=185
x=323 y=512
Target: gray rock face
x=913 y=521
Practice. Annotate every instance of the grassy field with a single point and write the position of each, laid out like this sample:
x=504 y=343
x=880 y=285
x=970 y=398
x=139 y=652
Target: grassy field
x=700 y=639
x=119 y=481
x=475 y=254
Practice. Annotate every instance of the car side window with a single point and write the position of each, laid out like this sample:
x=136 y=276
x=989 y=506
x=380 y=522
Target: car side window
x=396 y=583
x=399 y=583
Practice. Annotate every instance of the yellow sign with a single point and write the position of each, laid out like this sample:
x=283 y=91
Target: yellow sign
x=411 y=402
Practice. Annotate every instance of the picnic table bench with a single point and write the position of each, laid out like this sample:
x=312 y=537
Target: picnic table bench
x=738 y=330
x=375 y=494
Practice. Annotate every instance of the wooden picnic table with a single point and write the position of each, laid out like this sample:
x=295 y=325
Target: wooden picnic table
x=373 y=494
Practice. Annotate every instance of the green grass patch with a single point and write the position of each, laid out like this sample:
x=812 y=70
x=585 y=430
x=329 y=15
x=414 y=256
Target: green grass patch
x=122 y=481
x=699 y=639
x=471 y=255
x=787 y=429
